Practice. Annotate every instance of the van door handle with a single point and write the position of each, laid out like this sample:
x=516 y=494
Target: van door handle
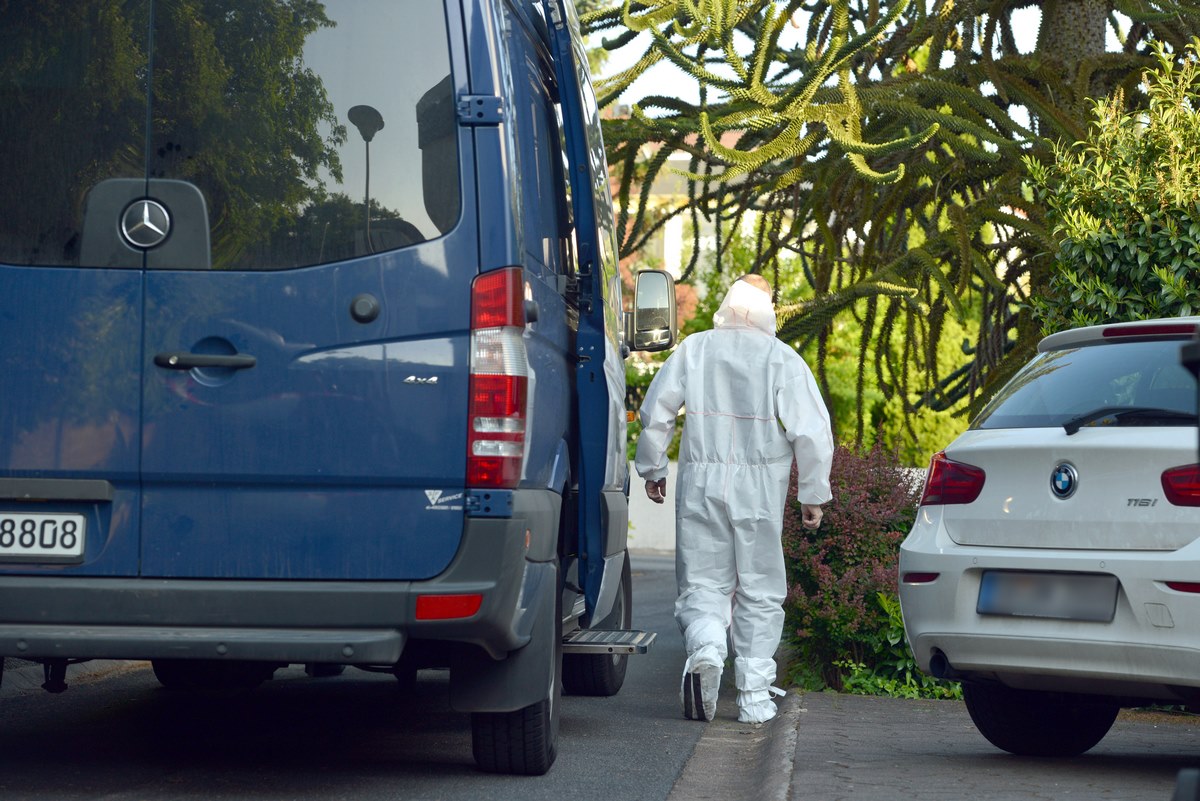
x=182 y=360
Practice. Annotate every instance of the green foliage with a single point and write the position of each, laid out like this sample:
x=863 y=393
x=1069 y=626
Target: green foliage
x=638 y=375
x=893 y=671
x=958 y=236
x=236 y=89
x=914 y=430
x=1125 y=207
x=780 y=104
x=836 y=573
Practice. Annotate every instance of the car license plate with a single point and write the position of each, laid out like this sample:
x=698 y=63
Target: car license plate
x=1063 y=596
x=41 y=537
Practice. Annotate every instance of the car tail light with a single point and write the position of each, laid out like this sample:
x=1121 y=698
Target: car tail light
x=1184 y=586
x=1181 y=485
x=499 y=380
x=951 y=482
x=1151 y=330
x=919 y=578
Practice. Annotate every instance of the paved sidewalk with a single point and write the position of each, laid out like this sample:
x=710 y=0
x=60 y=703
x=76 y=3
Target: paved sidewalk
x=881 y=749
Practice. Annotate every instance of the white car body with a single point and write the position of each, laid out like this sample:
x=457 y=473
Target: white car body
x=1095 y=595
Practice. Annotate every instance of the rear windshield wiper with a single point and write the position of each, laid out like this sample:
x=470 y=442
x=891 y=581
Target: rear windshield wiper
x=1122 y=413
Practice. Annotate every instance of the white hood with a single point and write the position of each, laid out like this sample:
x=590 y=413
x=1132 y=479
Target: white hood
x=746 y=306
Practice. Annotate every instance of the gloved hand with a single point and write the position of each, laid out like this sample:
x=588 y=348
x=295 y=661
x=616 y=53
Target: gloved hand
x=811 y=515
x=656 y=490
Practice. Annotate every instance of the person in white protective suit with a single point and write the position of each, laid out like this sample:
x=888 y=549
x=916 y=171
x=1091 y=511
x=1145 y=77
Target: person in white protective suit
x=752 y=406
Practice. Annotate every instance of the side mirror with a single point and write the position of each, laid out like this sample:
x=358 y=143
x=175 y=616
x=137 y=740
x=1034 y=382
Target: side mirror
x=653 y=324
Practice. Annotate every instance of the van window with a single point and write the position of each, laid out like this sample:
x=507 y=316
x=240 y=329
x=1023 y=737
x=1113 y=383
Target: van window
x=315 y=132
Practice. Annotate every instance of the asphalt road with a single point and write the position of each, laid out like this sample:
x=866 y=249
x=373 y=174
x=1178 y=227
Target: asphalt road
x=118 y=736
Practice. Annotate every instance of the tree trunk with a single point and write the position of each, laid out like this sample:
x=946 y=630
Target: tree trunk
x=1073 y=31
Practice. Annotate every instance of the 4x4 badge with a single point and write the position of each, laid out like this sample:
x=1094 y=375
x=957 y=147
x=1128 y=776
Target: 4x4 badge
x=145 y=223
x=1064 y=480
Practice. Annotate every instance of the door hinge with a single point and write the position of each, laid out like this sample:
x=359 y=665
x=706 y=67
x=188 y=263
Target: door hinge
x=480 y=110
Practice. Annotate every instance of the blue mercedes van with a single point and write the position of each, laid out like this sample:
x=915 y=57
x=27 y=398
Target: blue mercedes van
x=311 y=346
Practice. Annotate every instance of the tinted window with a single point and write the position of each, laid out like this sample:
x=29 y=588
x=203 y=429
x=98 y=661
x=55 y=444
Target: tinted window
x=1063 y=384
x=313 y=131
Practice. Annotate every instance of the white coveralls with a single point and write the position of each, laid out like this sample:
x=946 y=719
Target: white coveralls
x=752 y=406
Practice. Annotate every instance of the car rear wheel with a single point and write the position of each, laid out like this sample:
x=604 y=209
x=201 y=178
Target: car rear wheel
x=1030 y=723
x=603 y=674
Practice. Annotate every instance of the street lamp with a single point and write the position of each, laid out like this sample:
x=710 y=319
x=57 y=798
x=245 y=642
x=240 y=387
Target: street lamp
x=369 y=122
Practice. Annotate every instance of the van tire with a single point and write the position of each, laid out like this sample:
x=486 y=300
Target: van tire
x=525 y=741
x=603 y=674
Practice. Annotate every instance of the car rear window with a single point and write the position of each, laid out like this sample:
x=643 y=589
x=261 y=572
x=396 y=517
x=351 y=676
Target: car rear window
x=1059 y=386
x=314 y=132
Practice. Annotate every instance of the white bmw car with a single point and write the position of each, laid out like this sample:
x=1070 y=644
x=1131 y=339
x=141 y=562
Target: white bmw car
x=1054 y=566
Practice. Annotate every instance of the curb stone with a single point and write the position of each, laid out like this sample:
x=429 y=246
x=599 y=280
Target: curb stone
x=737 y=760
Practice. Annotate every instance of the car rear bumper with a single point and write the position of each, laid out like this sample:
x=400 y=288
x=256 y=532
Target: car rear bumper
x=367 y=622
x=1150 y=648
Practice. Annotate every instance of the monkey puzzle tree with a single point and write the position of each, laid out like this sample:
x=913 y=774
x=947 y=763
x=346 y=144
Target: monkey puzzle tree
x=958 y=222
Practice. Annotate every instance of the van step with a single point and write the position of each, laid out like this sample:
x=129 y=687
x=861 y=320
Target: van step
x=598 y=641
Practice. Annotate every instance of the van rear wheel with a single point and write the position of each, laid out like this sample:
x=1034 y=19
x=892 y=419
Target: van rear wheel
x=525 y=741
x=603 y=674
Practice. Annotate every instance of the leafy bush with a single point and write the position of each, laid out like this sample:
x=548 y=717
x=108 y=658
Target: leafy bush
x=1125 y=207
x=894 y=672
x=837 y=573
x=638 y=376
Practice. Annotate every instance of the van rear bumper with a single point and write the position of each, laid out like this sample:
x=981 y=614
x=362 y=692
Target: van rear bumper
x=362 y=622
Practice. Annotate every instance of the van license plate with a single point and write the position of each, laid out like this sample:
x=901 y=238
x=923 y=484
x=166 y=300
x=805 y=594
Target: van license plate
x=1063 y=596
x=41 y=537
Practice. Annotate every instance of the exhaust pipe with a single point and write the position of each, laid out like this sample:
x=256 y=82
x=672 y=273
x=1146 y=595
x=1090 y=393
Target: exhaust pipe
x=941 y=668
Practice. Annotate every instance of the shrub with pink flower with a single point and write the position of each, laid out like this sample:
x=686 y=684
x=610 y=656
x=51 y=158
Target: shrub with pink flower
x=837 y=572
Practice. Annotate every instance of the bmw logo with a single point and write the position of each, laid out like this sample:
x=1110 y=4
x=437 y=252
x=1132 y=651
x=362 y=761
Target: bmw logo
x=145 y=224
x=1064 y=480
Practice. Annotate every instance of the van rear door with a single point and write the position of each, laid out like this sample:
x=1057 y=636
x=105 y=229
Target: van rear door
x=70 y=327
x=234 y=288
x=305 y=384
x=69 y=401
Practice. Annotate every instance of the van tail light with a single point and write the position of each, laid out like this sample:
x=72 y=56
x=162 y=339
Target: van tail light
x=448 y=607
x=499 y=380
x=1181 y=485
x=951 y=482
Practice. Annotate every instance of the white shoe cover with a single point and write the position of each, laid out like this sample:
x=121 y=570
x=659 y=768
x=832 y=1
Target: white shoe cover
x=706 y=665
x=753 y=678
x=756 y=706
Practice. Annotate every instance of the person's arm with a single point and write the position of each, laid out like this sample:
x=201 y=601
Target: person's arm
x=806 y=422
x=658 y=412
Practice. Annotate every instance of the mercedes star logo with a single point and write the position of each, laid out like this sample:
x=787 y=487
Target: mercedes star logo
x=145 y=223
x=1064 y=480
